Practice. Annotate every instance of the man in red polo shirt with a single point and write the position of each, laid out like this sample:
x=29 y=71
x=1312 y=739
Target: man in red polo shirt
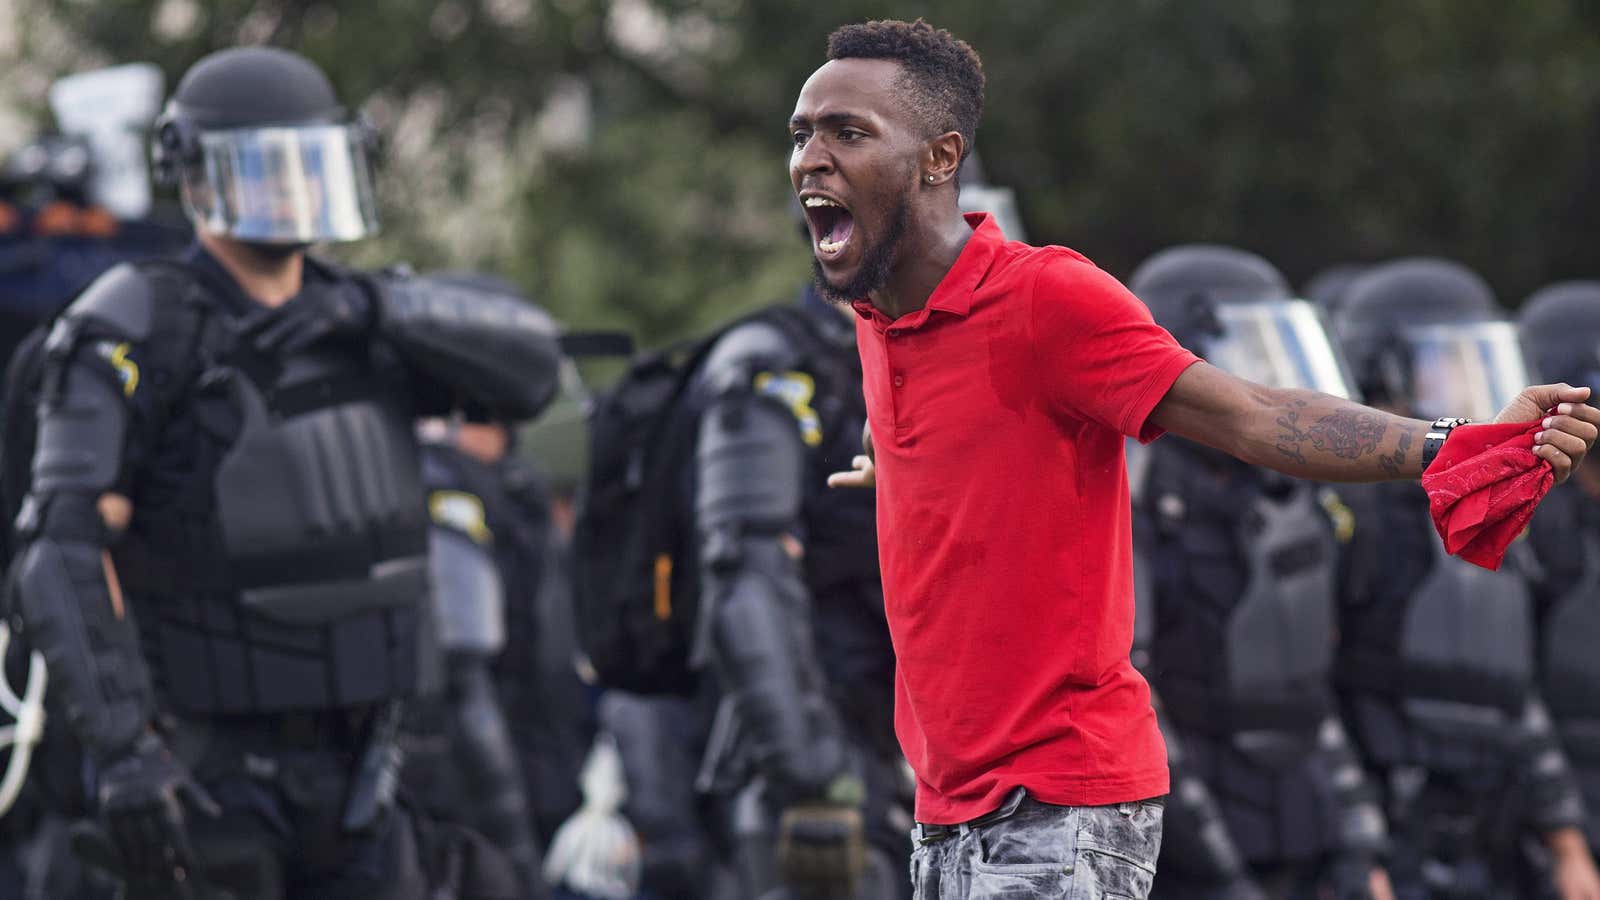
x=1000 y=381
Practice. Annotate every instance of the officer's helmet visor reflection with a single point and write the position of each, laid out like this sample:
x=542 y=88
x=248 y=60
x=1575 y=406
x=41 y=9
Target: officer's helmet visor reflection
x=290 y=184
x=1278 y=343
x=1469 y=369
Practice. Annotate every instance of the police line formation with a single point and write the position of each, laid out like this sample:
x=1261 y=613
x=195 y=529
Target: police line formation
x=312 y=627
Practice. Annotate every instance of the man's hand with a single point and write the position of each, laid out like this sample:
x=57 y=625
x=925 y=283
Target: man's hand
x=1569 y=432
x=864 y=475
x=143 y=796
x=1574 y=872
x=1379 y=887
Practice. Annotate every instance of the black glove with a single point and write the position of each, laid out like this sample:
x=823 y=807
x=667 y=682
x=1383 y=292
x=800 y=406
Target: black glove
x=142 y=796
x=319 y=311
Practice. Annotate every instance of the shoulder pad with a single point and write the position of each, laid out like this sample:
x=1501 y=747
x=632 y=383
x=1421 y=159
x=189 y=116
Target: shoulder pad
x=752 y=345
x=122 y=299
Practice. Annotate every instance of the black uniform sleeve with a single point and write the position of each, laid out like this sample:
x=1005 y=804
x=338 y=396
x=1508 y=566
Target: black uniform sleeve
x=750 y=467
x=1363 y=834
x=491 y=350
x=93 y=407
x=1550 y=791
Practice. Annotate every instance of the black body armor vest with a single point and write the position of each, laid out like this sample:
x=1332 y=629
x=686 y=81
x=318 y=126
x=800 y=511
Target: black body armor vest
x=1446 y=643
x=841 y=541
x=1244 y=567
x=277 y=559
x=1566 y=538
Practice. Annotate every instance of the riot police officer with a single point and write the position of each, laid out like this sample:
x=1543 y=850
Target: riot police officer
x=224 y=555
x=475 y=774
x=1560 y=328
x=1241 y=585
x=793 y=614
x=1435 y=668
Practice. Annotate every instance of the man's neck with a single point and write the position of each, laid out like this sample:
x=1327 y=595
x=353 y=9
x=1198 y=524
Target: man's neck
x=926 y=256
x=268 y=280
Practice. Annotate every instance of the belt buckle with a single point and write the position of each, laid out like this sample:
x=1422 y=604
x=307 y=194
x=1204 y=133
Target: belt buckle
x=931 y=834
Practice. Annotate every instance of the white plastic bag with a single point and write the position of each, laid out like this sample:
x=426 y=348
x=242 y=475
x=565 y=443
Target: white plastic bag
x=595 y=852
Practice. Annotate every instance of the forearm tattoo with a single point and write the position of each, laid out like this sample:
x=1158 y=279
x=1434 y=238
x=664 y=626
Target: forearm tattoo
x=1392 y=462
x=1345 y=433
x=1289 y=433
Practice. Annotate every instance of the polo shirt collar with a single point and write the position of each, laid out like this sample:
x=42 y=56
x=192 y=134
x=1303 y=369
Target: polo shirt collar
x=954 y=293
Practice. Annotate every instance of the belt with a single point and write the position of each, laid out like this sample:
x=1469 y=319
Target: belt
x=929 y=834
x=317 y=729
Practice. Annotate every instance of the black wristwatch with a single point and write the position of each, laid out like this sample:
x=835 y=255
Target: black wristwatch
x=1437 y=432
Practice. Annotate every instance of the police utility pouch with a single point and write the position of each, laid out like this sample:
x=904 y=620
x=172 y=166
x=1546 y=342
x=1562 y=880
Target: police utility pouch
x=822 y=848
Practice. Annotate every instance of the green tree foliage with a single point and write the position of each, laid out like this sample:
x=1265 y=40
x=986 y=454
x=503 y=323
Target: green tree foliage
x=624 y=159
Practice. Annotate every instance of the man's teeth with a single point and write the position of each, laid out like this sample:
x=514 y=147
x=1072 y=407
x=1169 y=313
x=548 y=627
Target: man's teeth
x=827 y=246
x=819 y=201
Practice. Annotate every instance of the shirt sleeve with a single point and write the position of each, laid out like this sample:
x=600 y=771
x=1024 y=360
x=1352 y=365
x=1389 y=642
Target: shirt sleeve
x=1101 y=356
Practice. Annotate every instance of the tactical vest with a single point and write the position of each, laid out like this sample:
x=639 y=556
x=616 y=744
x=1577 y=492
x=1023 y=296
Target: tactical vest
x=1453 y=647
x=277 y=559
x=1569 y=667
x=1245 y=573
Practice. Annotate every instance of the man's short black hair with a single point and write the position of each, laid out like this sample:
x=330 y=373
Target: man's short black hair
x=943 y=75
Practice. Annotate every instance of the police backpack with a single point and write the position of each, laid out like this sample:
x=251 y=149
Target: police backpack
x=637 y=578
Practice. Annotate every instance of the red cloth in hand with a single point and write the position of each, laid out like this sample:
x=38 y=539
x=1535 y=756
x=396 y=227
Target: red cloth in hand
x=1483 y=487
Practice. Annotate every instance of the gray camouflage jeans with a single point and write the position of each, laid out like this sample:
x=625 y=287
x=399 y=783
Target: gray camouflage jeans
x=1028 y=849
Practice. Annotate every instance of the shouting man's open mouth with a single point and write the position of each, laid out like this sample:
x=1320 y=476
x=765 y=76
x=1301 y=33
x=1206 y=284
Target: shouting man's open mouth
x=831 y=225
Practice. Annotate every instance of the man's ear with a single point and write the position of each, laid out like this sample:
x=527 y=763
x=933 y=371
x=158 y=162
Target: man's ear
x=941 y=159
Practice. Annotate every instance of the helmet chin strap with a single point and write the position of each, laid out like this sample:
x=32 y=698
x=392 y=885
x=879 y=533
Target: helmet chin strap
x=28 y=710
x=275 y=252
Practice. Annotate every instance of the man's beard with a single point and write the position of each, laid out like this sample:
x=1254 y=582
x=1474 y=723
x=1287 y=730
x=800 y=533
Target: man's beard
x=876 y=262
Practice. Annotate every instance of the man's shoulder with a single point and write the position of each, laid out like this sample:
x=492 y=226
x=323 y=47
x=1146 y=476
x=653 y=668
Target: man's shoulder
x=1050 y=267
x=1058 y=280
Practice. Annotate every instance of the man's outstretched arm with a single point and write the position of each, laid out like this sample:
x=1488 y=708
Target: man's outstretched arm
x=1321 y=437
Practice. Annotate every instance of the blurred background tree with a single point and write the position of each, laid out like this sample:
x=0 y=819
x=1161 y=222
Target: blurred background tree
x=624 y=160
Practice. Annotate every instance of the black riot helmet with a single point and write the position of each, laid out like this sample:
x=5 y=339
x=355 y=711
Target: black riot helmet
x=1426 y=336
x=1560 y=327
x=264 y=152
x=1235 y=309
x=1327 y=288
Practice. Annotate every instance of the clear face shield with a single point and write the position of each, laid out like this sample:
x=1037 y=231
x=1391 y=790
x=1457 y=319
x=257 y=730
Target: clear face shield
x=295 y=184
x=1470 y=369
x=1278 y=343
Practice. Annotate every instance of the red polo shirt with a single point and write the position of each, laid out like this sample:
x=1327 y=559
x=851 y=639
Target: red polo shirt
x=998 y=413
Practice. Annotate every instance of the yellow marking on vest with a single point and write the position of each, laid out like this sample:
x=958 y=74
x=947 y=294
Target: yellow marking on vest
x=461 y=511
x=1344 y=520
x=663 y=587
x=127 y=369
x=794 y=390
